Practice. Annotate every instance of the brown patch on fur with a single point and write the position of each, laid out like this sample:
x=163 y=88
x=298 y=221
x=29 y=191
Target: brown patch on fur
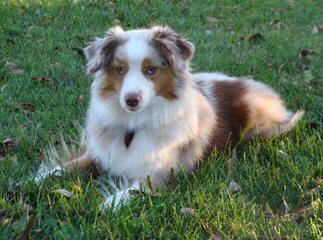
x=167 y=42
x=112 y=81
x=108 y=52
x=231 y=113
x=100 y=53
x=164 y=80
x=161 y=46
x=184 y=48
x=83 y=163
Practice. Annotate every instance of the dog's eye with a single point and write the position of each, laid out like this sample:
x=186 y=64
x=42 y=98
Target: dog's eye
x=151 y=70
x=119 y=70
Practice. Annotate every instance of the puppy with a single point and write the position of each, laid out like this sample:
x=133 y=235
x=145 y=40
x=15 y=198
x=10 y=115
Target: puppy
x=148 y=113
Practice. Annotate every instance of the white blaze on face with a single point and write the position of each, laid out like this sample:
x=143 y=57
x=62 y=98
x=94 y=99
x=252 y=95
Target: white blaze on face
x=135 y=83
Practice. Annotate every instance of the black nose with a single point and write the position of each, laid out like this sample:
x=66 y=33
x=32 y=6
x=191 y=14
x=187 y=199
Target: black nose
x=133 y=99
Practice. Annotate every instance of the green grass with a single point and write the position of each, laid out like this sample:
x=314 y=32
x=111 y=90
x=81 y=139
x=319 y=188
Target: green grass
x=40 y=39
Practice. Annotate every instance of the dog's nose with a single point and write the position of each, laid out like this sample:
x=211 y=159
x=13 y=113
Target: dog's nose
x=133 y=99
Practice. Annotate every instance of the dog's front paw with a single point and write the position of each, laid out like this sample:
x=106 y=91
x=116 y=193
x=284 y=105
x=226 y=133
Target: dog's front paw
x=44 y=171
x=116 y=200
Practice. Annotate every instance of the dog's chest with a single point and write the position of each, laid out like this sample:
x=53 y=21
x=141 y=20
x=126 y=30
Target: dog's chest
x=128 y=152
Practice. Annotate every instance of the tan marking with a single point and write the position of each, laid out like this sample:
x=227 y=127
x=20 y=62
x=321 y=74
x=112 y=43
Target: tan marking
x=82 y=163
x=164 y=80
x=267 y=111
x=113 y=81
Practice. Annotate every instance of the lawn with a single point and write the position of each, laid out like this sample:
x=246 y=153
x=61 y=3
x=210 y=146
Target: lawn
x=44 y=93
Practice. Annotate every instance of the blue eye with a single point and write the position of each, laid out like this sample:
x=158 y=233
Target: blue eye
x=151 y=70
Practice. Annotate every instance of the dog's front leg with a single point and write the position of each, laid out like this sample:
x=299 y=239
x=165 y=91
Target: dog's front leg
x=82 y=163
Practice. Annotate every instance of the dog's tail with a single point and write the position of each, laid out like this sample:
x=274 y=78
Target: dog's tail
x=290 y=123
x=271 y=128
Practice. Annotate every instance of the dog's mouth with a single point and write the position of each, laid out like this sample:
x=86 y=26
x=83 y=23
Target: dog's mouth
x=133 y=109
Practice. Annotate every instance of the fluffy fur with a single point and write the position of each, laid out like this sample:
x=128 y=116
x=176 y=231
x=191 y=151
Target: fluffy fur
x=148 y=113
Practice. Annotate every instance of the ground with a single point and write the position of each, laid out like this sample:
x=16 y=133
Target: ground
x=276 y=185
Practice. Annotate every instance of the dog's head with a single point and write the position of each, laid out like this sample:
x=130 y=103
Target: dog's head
x=139 y=65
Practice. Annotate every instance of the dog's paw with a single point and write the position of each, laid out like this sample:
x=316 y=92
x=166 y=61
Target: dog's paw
x=115 y=201
x=44 y=171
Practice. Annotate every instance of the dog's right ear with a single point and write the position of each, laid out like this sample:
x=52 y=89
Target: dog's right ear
x=100 y=52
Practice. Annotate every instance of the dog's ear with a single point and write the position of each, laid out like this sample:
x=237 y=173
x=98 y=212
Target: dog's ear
x=100 y=51
x=176 y=50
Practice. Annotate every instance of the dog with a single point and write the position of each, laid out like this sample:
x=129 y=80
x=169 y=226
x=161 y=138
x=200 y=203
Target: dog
x=149 y=114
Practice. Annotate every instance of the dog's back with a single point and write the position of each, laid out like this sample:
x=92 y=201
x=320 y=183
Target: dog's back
x=244 y=108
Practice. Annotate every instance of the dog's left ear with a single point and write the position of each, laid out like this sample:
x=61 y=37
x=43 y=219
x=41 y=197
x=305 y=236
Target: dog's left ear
x=176 y=50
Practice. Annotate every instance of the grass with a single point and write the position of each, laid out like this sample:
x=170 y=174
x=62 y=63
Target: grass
x=44 y=91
